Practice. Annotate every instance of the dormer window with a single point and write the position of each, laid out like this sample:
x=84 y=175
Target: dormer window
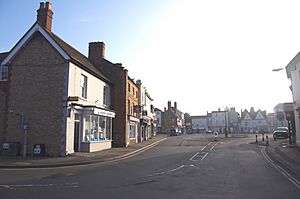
x=4 y=73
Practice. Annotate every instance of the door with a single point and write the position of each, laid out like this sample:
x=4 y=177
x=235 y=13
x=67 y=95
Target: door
x=76 y=135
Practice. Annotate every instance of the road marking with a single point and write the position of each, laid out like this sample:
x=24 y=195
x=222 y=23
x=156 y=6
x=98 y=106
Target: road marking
x=31 y=186
x=204 y=156
x=194 y=156
x=285 y=173
x=169 y=171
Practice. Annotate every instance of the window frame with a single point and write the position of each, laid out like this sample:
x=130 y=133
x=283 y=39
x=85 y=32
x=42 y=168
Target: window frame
x=83 y=86
x=3 y=73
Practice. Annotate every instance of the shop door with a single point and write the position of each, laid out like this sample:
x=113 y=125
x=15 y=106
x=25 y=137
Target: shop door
x=76 y=135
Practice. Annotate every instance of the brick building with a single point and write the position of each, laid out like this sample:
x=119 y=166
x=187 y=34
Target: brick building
x=49 y=86
x=125 y=96
x=172 y=119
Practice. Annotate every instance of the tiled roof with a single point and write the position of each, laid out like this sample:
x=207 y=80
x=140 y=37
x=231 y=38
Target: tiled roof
x=78 y=57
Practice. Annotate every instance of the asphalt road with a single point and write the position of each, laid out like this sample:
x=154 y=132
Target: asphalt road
x=190 y=166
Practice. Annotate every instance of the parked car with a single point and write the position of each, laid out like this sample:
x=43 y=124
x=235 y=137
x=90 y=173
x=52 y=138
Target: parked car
x=281 y=133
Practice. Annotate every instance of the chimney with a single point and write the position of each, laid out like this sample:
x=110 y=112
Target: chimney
x=175 y=105
x=44 y=15
x=169 y=105
x=165 y=109
x=96 y=51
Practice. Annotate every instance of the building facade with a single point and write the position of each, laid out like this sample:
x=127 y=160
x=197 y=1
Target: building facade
x=173 y=119
x=219 y=121
x=51 y=90
x=199 y=124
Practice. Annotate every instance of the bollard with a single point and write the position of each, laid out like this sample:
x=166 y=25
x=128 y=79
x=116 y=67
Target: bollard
x=267 y=140
x=256 y=139
x=263 y=137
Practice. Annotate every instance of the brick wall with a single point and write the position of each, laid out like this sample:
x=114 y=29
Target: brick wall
x=37 y=90
x=119 y=76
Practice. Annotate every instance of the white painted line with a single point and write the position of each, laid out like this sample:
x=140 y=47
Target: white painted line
x=293 y=180
x=204 y=156
x=194 y=156
x=24 y=186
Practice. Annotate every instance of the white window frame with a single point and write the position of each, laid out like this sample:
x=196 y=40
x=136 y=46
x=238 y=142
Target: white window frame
x=83 y=86
x=4 y=73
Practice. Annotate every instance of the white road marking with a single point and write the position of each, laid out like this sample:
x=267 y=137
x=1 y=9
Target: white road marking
x=194 y=156
x=286 y=174
x=204 y=156
x=31 y=186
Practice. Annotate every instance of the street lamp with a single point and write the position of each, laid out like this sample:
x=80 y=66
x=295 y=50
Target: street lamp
x=277 y=69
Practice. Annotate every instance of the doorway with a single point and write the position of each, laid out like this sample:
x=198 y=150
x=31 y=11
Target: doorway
x=76 y=136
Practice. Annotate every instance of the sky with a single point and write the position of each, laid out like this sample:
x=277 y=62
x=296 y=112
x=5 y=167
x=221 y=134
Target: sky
x=202 y=54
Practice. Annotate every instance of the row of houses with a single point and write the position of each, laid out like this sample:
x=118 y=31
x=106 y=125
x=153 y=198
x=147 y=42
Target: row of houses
x=223 y=121
x=53 y=96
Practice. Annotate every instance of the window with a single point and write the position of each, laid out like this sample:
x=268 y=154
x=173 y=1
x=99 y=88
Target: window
x=133 y=91
x=4 y=73
x=128 y=87
x=132 y=131
x=128 y=104
x=106 y=96
x=83 y=86
x=96 y=128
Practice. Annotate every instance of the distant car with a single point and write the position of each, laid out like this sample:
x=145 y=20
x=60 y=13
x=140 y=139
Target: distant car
x=281 y=133
x=175 y=132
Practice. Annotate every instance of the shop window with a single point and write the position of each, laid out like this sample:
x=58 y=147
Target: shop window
x=97 y=128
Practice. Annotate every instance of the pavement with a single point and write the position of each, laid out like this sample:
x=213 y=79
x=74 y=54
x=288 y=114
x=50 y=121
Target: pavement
x=80 y=158
x=283 y=153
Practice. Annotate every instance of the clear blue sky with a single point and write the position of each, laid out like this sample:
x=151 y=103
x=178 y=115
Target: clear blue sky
x=203 y=54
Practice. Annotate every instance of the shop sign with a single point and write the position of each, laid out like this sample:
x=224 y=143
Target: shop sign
x=98 y=111
x=73 y=98
x=133 y=119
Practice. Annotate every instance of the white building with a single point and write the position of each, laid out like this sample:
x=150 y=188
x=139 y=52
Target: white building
x=147 y=127
x=293 y=73
x=199 y=124
x=219 y=120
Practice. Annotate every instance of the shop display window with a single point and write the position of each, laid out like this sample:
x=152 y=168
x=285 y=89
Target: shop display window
x=96 y=128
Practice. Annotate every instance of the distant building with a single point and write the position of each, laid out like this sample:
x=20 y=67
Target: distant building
x=233 y=121
x=199 y=124
x=220 y=121
x=252 y=121
x=172 y=118
x=188 y=123
x=158 y=120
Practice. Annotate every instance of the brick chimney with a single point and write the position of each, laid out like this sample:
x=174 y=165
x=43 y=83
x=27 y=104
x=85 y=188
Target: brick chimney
x=169 y=105
x=44 y=15
x=96 y=51
x=175 y=105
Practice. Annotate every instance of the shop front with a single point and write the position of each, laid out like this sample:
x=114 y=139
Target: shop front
x=133 y=129
x=96 y=131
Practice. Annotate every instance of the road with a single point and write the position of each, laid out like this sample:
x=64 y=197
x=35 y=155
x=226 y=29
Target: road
x=189 y=166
